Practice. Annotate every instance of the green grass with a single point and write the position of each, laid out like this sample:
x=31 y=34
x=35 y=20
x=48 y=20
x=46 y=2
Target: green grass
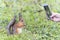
x=37 y=26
